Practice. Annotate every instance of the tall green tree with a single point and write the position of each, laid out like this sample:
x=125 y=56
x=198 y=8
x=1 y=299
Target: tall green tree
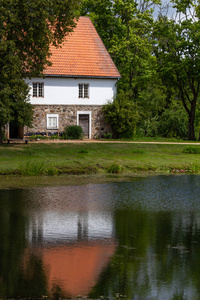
x=27 y=29
x=125 y=27
x=177 y=50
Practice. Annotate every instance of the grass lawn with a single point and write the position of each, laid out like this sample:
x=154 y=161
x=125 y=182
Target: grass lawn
x=100 y=158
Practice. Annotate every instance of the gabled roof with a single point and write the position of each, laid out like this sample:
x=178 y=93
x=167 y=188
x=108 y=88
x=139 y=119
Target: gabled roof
x=82 y=54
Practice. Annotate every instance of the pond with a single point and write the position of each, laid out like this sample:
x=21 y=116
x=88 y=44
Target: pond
x=136 y=240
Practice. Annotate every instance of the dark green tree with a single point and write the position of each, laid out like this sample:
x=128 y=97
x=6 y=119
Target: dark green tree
x=27 y=29
x=125 y=27
x=177 y=50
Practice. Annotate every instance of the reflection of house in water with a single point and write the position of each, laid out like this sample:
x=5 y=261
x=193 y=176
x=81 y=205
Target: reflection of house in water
x=75 y=244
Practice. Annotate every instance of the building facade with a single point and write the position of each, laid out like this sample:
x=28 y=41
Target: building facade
x=81 y=79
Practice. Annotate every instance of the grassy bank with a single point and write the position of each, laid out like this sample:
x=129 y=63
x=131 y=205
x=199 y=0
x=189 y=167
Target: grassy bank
x=97 y=158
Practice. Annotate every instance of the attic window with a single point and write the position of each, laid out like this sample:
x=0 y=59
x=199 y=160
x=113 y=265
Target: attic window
x=38 y=89
x=83 y=90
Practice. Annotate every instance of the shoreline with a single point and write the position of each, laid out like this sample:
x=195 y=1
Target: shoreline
x=48 y=163
x=23 y=182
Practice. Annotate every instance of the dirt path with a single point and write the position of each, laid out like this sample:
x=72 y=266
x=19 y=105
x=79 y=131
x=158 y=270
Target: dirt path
x=86 y=141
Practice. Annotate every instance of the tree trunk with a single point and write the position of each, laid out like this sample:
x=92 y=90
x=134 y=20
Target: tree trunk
x=191 y=133
x=1 y=135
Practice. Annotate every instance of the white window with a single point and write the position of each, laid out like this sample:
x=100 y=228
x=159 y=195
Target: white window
x=38 y=89
x=83 y=90
x=52 y=121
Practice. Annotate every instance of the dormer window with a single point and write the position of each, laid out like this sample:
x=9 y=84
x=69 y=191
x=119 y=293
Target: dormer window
x=38 y=89
x=83 y=90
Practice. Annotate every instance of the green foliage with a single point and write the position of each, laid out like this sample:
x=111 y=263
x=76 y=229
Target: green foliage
x=195 y=166
x=31 y=168
x=55 y=137
x=122 y=115
x=83 y=151
x=192 y=150
x=138 y=151
x=31 y=27
x=177 y=50
x=27 y=29
x=159 y=60
x=108 y=135
x=38 y=136
x=73 y=132
x=52 y=171
x=173 y=123
x=114 y=169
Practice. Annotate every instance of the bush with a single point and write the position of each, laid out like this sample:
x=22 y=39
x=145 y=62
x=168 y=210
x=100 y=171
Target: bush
x=108 y=135
x=122 y=116
x=173 y=123
x=191 y=150
x=114 y=169
x=73 y=132
x=38 y=136
x=31 y=168
x=83 y=151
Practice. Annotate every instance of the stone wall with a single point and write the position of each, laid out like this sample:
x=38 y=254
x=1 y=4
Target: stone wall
x=68 y=116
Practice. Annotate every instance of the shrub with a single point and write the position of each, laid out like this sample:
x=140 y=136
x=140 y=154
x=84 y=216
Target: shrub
x=138 y=151
x=52 y=171
x=31 y=168
x=83 y=151
x=173 y=123
x=122 y=116
x=73 y=132
x=38 y=136
x=192 y=150
x=108 y=135
x=114 y=168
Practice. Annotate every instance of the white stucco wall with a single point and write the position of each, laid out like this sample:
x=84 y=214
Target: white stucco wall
x=64 y=91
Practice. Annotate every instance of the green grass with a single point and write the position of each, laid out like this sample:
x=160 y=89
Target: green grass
x=96 y=158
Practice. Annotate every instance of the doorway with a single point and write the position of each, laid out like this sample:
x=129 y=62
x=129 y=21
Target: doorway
x=15 y=132
x=84 y=120
x=84 y=123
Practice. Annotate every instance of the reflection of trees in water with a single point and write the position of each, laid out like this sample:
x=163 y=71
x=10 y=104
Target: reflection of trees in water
x=158 y=256
x=33 y=281
x=13 y=224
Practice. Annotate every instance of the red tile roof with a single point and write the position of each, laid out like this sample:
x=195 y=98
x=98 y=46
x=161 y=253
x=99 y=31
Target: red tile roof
x=82 y=54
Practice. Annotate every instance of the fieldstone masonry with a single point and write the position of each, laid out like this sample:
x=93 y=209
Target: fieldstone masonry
x=68 y=116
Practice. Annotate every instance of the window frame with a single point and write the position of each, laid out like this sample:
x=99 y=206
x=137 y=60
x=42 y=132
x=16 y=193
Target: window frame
x=48 y=116
x=83 y=90
x=38 y=89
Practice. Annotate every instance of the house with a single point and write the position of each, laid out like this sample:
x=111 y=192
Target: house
x=81 y=79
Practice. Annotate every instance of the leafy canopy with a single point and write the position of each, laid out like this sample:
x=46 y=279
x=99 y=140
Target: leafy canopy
x=27 y=29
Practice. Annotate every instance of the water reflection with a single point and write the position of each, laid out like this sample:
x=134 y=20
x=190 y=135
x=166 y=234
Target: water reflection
x=73 y=236
x=139 y=239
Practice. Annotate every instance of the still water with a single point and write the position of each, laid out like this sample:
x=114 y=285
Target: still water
x=139 y=240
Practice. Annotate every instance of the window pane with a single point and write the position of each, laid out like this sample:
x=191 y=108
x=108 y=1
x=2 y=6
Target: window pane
x=38 y=89
x=86 y=95
x=41 y=88
x=80 y=94
x=34 y=89
x=52 y=122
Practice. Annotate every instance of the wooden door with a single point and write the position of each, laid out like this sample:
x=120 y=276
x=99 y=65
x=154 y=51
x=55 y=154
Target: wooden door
x=84 y=123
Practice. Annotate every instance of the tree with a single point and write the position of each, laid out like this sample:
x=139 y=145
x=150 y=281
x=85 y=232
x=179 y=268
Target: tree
x=122 y=115
x=27 y=29
x=177 y=50
x=125 y=27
